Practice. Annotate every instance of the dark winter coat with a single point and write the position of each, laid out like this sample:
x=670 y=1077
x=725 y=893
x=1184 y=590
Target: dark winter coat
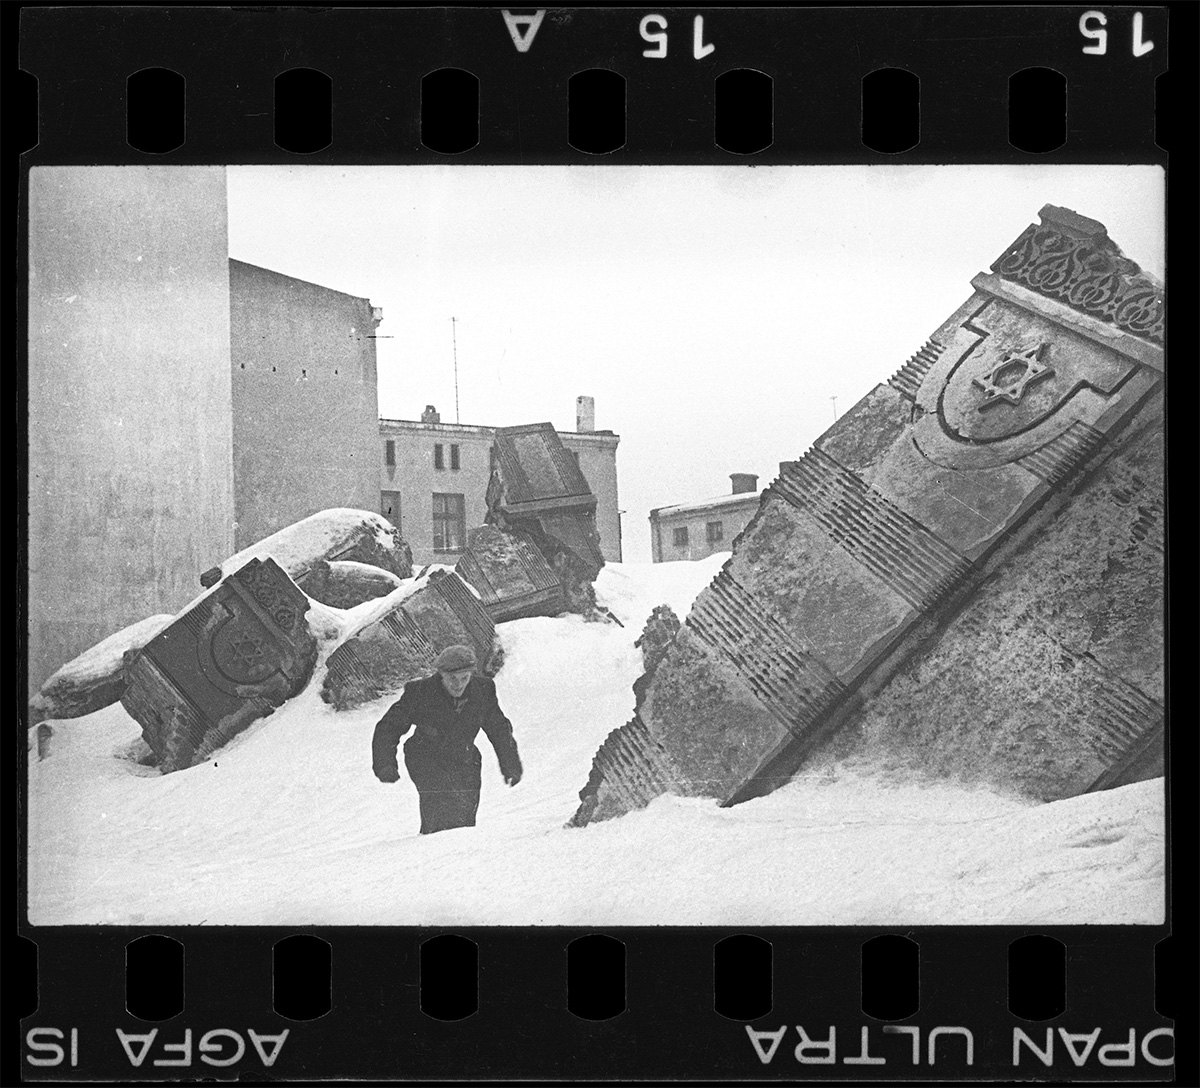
x=441 y=756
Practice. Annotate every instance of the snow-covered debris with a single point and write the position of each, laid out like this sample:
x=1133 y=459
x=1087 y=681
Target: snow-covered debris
x=95 y=678
x=402 y=644
x=338 y=534
x=221 y=843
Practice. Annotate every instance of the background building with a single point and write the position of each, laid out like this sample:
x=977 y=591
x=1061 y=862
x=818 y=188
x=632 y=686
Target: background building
x=305 y=407
x=433 y=479
x=182 y=405
x=130 y=404
x=694 y=530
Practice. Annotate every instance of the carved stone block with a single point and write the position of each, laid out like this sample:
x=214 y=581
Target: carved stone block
x=510 y=575
x=539 y=491
x=239 y=653
x=939 y=496
x=380 y=659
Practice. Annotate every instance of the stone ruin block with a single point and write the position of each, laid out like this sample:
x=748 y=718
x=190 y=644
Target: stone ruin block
x=965 y=571
x=510 y=575
x=364 y=547
x=235 y=656
x=538 y=490
x=96 y=678
x=331 y=536
x=659 y=632
x=381 y=658
x=342 y=584
x=1050 y=678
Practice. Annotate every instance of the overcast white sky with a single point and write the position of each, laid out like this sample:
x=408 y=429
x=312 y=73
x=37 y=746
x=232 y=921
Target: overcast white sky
x=713 y=312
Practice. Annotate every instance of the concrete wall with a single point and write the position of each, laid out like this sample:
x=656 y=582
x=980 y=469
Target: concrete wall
x=130 y=474
x=305 y=406
x=734 y=516
x=416 y=479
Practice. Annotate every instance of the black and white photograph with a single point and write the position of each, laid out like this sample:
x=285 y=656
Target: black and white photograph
x=596 y=545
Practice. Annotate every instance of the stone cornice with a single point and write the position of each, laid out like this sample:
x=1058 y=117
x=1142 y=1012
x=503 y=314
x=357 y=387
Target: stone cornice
x=1070 y=258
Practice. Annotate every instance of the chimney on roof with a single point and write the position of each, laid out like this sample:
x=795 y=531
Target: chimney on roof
x=585 y=414
x=743 y=482
x=430 y=415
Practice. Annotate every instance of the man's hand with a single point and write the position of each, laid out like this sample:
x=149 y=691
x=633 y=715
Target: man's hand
x=389 y=774
x=512 y=779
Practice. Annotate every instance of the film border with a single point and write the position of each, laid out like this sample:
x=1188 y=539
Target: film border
x=669 y=1029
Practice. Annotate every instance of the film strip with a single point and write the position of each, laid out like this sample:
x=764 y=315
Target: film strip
x=969 y=859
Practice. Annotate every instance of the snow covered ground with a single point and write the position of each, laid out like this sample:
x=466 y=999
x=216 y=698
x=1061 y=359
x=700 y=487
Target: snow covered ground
x=287 y=825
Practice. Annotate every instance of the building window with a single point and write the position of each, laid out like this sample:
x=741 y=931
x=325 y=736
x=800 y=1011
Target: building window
x=453 y=456
x=716 y=531
x=389 y=452
x=449 y=523
x=389 y=506
x=439 y=460
x=680 y=536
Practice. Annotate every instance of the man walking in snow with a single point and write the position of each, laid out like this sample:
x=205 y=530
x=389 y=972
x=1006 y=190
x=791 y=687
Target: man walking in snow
x=448 y=710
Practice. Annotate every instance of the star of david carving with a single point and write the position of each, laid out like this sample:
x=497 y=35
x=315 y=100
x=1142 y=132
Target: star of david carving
x=1012 y=375
x=247 y=649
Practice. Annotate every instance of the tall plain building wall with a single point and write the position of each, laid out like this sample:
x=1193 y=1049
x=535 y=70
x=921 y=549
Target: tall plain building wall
x=598 y=461
x=130 y=470
x=305 y=404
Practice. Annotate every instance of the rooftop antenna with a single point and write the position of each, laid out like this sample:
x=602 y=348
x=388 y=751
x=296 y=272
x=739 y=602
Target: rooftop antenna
x=454 y=342
x=834 y=399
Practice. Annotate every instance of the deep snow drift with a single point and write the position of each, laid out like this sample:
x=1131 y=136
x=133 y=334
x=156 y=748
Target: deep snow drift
x=287 y=825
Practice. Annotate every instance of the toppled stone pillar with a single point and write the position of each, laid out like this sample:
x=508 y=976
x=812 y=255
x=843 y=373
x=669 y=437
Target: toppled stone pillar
x=340 y=535
x=236 y=655
x=963 y=567
x=510 y=575
x=538 y=490
x=388 y=652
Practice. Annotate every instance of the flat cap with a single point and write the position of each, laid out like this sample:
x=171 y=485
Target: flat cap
x=454 y=658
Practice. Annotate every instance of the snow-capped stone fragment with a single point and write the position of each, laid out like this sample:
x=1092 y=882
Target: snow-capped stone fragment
x=96 y=678
x=342 y=534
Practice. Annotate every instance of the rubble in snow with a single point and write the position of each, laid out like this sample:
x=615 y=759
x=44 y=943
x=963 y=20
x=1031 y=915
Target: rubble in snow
x=539 y=491
x=965 y=572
